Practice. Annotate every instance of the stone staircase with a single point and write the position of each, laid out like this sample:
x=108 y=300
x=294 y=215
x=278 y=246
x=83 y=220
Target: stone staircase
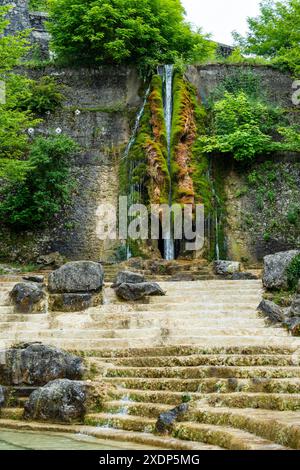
x=203 y=343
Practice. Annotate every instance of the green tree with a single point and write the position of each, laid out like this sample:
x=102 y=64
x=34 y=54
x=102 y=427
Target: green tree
x=14 y=141
x=45 y=188
x=144 y=32
x=275 y=33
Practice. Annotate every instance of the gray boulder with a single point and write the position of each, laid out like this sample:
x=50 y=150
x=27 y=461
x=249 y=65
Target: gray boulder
x=271 y=310
x=34 y=278
x=225 y=268
x=74 y=302
x=77 y=276
x=243 y=276
x=65 y=401
x=55 y=260
x=275 y=269
x=28 y=297
x=128 y=277
x=293 y=325
x=165 y=422
x=294 y=310
x=138 y=291
x=37 y=364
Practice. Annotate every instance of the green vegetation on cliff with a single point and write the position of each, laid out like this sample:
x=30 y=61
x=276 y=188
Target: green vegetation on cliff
x=34 y=172
x=141 y=32
x=247 y=127
x=275 y=34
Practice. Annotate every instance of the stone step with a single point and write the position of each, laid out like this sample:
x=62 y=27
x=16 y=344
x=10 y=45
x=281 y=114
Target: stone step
x=278 y=426
x=156 y=334
x=208 y=359
x=149 y=441
x=200 y=372
x=270 y=401
x=209 y=385
x=215 y=435
x=190 y=350
x=142 y=323
x=11 y=413
x=23 y=318
x=92 y=345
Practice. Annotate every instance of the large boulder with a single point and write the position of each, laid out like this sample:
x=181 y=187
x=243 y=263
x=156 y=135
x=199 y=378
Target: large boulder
x=128 y=277
x=294 y=310
x=77 y=276
x=293 y=325
x=65 y=401
x=165 y=422
x=225 y=268
x=28 y=297
x=37 y=364
x=54 y=260
x=272 y=311
x=74 y=302
x=275 y=269
x=138 y=291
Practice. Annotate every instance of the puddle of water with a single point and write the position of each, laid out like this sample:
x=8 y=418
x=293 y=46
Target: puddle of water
x=29 y=440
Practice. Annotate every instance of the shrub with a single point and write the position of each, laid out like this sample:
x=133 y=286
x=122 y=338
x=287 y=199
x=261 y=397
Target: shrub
x=293 y=272
x=46 y=187
x=44 y=96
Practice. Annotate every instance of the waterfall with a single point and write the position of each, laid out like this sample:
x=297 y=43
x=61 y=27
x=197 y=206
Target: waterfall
x=133 y=186
x=217 y=238
x=169 y=251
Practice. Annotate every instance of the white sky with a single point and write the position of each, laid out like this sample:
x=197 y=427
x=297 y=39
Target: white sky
x=221 y=17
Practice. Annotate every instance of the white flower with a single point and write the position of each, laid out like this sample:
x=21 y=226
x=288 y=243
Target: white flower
x=77 y=112
x=30 y=131
x=58 y=130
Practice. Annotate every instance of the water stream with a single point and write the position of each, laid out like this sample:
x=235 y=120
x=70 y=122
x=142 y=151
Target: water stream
x=168 y=70
x=134 y=188
x=28 y=440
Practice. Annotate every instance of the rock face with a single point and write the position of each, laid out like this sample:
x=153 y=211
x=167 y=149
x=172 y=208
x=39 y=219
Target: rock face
x=138 y=291
x=225 y=268
x=64 y=401
x=128 y=277
x=37 y=364
x=166 y=420
x=77 y=276
x=271 y=310
x=275 y=266
x=28 y=297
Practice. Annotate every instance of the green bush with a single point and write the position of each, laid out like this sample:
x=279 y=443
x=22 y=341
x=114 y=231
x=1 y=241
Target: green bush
x=46 y=187
x=293 y=272
x=244 y=127
x=143 y=32
x=44 y=96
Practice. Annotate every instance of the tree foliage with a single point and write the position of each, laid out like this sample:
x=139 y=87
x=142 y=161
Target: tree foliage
x=245 y=127
x=45 y=188
x=275 y=33
x=144 y=32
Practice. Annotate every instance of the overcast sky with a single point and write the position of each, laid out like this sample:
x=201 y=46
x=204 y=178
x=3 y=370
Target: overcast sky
x=221 y=17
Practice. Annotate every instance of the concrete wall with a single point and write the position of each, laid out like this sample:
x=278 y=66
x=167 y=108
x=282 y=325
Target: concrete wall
x=107 y=99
